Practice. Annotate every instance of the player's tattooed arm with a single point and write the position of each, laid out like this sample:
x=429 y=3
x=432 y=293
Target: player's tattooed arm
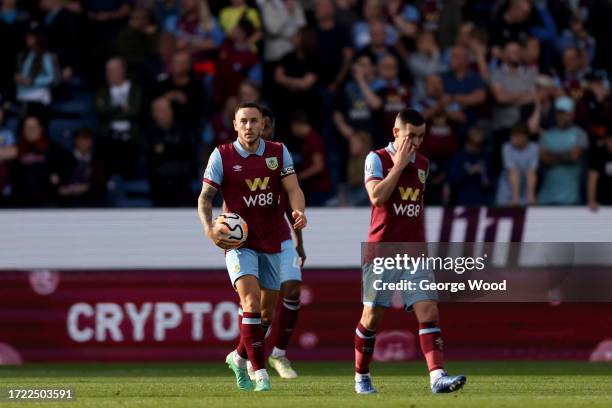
x=216 y=232
x=296 y=200
x=205 y=204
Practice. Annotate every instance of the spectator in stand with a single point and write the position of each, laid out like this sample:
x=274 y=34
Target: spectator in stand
x=532 y=53
x=34 y=179
x=184 y=91
x=391 y=97
x=424 y=62
x=195 y=29
x=159 y=65
x=82 y=181
x=520 y=157
x=296 y=78
x=547 y=91
x=576 y=36
x=594 y=110
x=561 y=151
x=373 y=12
x=239 y=12
x=512 y=86
x=13 y=25
x=575 y=69
x=310 y=161
x=236 y=62
x=59 y=26
x=37 y=73
x=222 y=125
x=136 y=42
x=8 y=153
x=118 y=105
x=438 y=106
x=335 y=48
x=443 y=116
x=378 y=46
x=352 y=112
x=465 y=87
x=105 y=19
x=519 y=19
x=405 y=18
x=470 y=172
x=172 y=157
x=474 y=42
x=599 y=185
x=356 y=194
x=282 y=19
x=441 y=143
x=249 y=91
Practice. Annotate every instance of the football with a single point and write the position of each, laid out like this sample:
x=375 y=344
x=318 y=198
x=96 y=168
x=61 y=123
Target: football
x=237 y=227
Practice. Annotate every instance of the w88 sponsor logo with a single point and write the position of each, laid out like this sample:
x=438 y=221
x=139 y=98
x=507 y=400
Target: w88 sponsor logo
x=261 y=199
x=410 y=210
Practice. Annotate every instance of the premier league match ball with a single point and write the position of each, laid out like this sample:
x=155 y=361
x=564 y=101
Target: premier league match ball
x=237 y=228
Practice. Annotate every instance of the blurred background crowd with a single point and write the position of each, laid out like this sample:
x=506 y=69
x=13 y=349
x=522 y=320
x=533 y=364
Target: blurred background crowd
x=120 y=102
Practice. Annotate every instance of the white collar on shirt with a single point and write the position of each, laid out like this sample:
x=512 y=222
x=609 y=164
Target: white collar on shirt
x=242 y=151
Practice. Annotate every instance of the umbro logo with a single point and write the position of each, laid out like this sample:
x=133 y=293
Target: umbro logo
x=237 y=167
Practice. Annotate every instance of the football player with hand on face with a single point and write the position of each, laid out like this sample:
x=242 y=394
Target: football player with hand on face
x=395 y=179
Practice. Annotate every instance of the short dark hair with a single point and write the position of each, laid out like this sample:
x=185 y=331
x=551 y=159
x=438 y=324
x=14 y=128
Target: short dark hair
x=519 y=128
x=410 y=116
x=246 y=26
x=245 y=105
x=267 y=113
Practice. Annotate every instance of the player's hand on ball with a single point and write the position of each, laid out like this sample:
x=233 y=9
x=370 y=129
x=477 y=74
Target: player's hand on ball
x=219 y=236
x=299 y=219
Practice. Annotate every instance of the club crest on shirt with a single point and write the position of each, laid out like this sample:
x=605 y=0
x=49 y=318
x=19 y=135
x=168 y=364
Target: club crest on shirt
x=422 y=175
x=272 y=163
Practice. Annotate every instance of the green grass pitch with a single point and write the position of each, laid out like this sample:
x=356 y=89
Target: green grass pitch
x=320 y=385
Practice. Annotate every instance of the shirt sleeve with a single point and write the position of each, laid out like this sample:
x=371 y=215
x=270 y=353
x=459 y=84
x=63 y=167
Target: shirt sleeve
x=287 y=163
x=508 y=157
x=583 y=139
x=373 y=168
x=213 y=174
x=534 y=157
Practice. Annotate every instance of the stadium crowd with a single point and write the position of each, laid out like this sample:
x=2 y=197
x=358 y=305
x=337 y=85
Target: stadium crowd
x=120 y=102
